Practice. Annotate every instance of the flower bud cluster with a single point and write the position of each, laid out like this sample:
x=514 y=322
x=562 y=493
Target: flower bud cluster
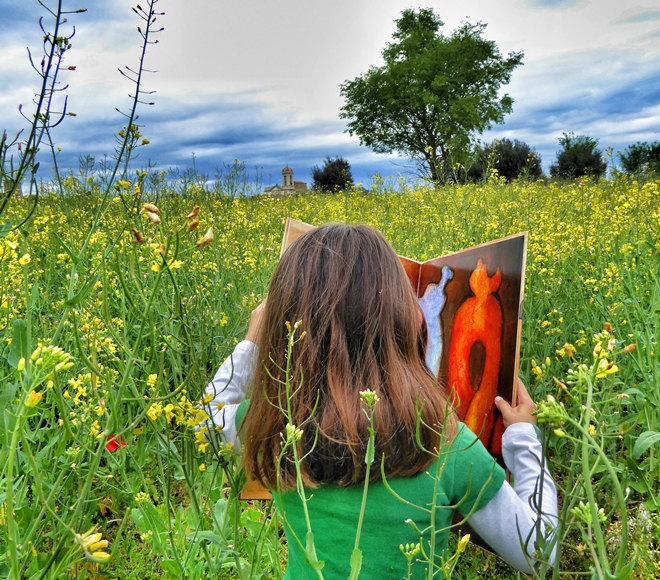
x=551 y=413
x=293 y=434
x=411 y=550
x=369 y=398
x=583 y=513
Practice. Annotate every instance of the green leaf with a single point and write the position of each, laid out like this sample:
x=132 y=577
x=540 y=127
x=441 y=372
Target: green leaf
x=208 y=536
x=310 y=549
x=5 y=228
x=644 y=441
x=191 y=518
x=356 y=564
x=369 y=455
x=85 y=291
x=19 y=345
x=220 y=510
x=173 y=567
x=627 y=569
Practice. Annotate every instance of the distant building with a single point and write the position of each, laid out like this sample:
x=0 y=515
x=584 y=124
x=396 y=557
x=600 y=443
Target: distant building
x=289 y=185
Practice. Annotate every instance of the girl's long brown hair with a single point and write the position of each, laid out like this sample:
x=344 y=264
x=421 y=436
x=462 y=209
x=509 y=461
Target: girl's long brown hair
x=363 y=331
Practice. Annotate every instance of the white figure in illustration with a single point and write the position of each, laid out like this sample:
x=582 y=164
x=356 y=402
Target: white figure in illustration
x=432 y=304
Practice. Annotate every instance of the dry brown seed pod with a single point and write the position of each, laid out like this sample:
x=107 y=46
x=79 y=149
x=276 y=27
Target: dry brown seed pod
x=155 y=219
x=206 y=239
x=137 y=234
x=193 y=214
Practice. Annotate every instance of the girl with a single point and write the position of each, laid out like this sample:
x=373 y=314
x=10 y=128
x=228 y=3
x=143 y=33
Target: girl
x=364 y=331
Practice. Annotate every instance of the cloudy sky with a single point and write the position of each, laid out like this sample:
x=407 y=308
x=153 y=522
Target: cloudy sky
x=258 y=80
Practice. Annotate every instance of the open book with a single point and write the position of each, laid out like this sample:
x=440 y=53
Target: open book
x=472 y=303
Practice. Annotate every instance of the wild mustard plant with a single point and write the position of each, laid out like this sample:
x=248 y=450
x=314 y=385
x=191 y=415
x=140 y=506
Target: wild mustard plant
x=588 y=390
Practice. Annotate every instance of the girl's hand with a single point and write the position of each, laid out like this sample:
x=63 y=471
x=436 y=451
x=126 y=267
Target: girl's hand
x=256 y=319
x=522 y=413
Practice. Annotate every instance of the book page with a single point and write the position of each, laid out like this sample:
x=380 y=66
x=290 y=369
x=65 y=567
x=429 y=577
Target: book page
x=472 y=306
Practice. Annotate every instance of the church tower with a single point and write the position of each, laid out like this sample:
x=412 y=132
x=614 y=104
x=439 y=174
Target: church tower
x=287 y=178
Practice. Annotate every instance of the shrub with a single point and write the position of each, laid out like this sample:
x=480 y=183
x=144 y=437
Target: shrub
x=578 y=157
x=335 y=175
x=642 y=158
x=511 y=159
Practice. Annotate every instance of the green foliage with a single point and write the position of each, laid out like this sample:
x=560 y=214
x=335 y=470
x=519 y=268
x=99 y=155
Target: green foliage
x=642 y=158
x=578 y=157
x=511 y=160
x=432 y=95
x=335 y=175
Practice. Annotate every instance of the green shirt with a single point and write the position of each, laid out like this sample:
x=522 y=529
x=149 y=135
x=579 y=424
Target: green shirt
x=469 y=479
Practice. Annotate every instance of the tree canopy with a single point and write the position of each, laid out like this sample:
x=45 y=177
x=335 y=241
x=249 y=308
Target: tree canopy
x=335 y=175
x=432 y=94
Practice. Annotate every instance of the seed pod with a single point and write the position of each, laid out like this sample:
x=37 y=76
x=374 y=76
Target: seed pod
x=153 y=217
x=206 y=239
x=137 y=234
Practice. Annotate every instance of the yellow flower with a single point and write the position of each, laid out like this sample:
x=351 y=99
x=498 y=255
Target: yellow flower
x=155 y=411
x=151 y=379
x=592 y=429
x=207 y=398
x=462 y=543
x=33 y=399
x=155 y=267
x=25 y=260
x=202 y=466
x=605 y=368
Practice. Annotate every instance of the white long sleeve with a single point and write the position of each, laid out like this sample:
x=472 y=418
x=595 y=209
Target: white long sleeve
x=513 y=512
x=229 y=388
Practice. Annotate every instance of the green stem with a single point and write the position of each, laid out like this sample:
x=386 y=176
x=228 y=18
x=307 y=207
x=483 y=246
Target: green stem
x=9 y=500
x=586 y=478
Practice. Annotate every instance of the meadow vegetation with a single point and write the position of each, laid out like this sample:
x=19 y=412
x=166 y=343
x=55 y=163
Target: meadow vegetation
x=109 y=335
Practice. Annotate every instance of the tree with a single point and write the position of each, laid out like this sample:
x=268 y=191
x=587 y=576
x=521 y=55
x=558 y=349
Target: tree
x=433 y=93
x=511 y=159
x=578 y=157
x=642 y=158
x=335 y=175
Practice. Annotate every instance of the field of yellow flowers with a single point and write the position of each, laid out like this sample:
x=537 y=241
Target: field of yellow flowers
x=115 y=313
